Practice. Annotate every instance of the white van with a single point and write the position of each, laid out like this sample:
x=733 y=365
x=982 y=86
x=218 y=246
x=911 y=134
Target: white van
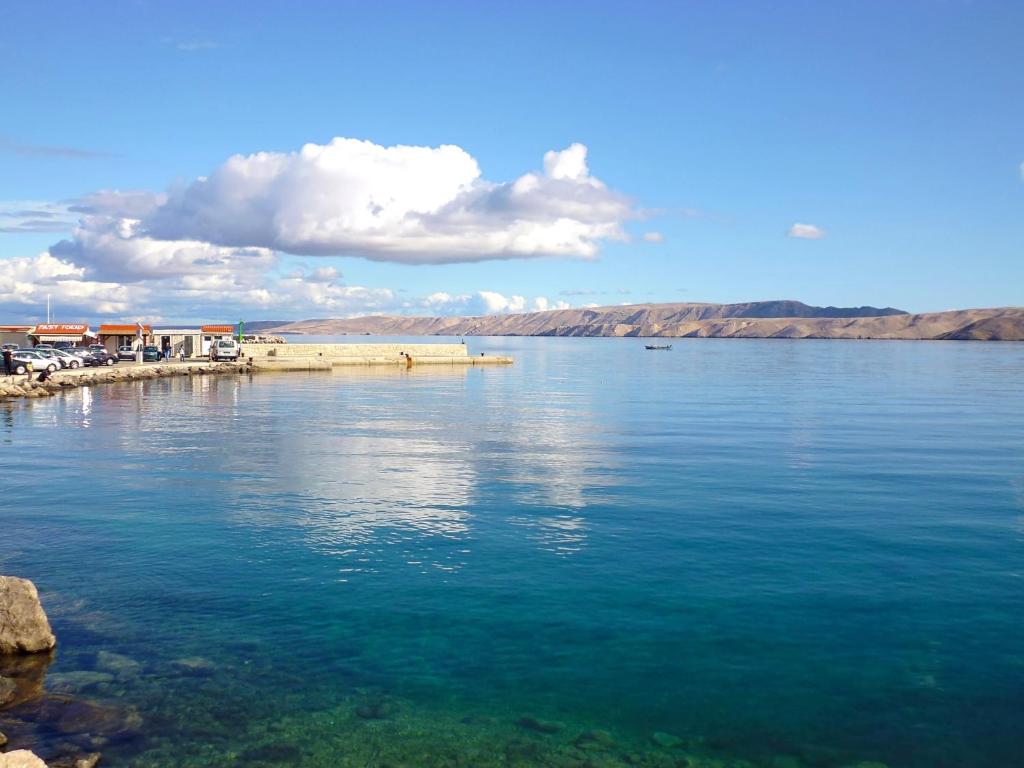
x=224 y=349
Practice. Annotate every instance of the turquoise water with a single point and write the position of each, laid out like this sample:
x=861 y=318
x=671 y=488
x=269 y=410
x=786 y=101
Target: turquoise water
x=770 y=553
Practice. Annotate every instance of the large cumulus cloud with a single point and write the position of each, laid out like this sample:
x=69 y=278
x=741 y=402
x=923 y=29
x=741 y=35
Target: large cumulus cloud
x=404 y=204
x=224 y=240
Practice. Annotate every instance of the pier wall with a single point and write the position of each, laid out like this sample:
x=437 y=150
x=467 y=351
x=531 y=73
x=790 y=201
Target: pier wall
x=289 y=351
x=367 y=354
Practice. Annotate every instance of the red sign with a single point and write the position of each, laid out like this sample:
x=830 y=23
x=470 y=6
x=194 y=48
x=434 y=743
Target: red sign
x=50 y=329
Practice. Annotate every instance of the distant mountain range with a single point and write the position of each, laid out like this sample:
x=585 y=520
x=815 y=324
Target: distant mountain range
x=759 y=319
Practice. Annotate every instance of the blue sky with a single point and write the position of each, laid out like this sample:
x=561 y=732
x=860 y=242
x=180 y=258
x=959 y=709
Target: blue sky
x=895 y=131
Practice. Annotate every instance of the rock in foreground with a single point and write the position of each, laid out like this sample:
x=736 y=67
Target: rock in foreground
x=20 y=758
x=24 y=627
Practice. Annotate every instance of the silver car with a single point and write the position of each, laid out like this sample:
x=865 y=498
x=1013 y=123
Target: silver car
x=69 y=360
x=59 y=356
x=40 y=362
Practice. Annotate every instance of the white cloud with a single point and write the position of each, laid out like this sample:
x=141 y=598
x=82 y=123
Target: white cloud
x=130 y=204
x=654 y=237
x=485 y=303
x=218 y=241
x=1022 y=171
x=541 y=304
x=114 y=249
x=402 y=203
x=25 y=282
x=806 y=232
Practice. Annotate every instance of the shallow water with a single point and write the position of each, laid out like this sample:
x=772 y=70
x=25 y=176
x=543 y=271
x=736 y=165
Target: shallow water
x=782 y=552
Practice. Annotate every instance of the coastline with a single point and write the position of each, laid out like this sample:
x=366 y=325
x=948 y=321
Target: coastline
x=255 y=358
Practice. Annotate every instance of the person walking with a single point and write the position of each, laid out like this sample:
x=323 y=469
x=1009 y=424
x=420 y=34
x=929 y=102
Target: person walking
x=8 y=362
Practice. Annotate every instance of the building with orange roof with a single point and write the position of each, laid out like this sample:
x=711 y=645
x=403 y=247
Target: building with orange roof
x=51 y=333
x=15 y=334
x=115 y=335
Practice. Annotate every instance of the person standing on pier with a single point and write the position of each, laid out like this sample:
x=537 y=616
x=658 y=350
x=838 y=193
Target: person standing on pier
x=8 y=362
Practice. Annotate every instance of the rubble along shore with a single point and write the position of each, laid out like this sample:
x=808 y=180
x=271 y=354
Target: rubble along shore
x=27 y=386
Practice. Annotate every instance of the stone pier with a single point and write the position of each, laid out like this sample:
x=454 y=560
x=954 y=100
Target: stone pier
x=284 y=355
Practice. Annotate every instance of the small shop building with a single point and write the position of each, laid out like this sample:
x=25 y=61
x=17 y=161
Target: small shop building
x=51 y=333
x=114 y=336
x=178 y=339
x=195 y=342
x=15 y=334
x=212 y=333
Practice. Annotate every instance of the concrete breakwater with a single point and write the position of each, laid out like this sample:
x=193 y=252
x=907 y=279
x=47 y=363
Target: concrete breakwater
x=306 y=356
x=255 y=357
x=28 y=386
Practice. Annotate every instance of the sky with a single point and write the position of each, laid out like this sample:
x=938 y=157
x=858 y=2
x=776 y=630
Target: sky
x=187 y=161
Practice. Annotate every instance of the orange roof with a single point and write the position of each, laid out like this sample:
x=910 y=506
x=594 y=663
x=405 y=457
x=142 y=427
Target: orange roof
x=218 y=329
x=52 y=329
x=123 y=330
x=16 y=328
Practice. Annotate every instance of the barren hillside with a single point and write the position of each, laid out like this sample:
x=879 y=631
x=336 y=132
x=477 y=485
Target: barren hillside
x=774 y=319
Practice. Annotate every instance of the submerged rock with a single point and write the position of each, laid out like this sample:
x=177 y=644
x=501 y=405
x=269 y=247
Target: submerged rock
x=77 y=717
x=27 y=673
x=117 y=664
x=20 y=758
x=540 y=726
x=196 y=666
x=7 y=690
x=75 y=682
x=666 y=740
x=376 y=709
x=24 y=627
x=90 y=760
x=595 y=740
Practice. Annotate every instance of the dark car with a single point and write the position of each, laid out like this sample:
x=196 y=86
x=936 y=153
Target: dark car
x=151 y=355
x=85 y=355
x=91 y=356
x=102 y=356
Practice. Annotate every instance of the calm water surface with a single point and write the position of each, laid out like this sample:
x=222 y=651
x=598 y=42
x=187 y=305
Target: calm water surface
x=784 y=553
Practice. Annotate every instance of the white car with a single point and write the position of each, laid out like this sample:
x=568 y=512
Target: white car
x=225 y=349
x=66 y=359
x=39 y=361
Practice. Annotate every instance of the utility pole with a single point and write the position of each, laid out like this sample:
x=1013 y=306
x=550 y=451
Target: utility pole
x=47 y=309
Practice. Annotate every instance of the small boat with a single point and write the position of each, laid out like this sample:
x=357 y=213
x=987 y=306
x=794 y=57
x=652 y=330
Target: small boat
x=656 y=346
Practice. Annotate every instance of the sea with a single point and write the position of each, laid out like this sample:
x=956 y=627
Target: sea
x=730 y=554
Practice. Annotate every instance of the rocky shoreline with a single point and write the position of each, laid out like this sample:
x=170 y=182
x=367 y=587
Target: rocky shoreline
x=13 y=387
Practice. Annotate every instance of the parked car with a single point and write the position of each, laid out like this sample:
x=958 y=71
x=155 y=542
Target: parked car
x=39 y=361
x=126 y=352
x=151 y=355
x=11 y=347
x=102 y=356
x=52 y=354
x=20 y=366
x=63 y=345
x=69 y=360
x=225 y=349
x=84 y=355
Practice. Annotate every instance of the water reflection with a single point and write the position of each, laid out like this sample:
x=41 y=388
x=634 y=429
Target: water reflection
x=561 y=535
